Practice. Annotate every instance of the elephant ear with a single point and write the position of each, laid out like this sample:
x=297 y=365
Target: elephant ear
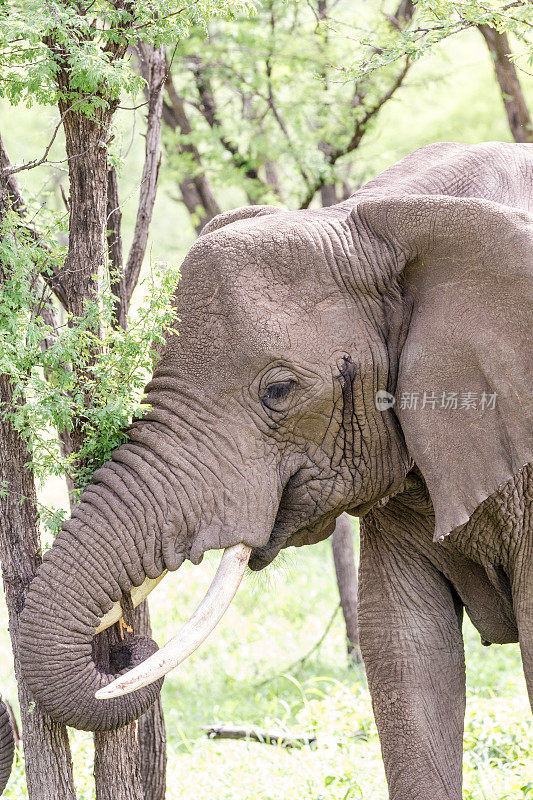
x=236 y=214
x=464 y=268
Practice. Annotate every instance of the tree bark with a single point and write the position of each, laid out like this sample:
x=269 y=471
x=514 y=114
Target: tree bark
x=346 y=572
x=46 y=745
x=512 y=96
x=86 y=144
x=152 y=734
x=117 y=762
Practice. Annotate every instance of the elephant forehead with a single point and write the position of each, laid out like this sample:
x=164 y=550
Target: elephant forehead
x=265 y=257
x=235 y=336
x=247 y=297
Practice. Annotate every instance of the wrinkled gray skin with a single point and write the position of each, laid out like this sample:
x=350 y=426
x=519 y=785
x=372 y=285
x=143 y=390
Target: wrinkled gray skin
x=7 y=746
x=263 y=429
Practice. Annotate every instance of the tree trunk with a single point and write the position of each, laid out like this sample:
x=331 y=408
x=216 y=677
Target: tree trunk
x=46 y=745
x=117 y=761
x=152 y=733
x=114 y=250
x=346 y=572
x=513 y=98
x=328 y=195
x=86 y=144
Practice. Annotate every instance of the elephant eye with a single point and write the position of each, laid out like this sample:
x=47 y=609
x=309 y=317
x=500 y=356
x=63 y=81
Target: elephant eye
x=276 y=393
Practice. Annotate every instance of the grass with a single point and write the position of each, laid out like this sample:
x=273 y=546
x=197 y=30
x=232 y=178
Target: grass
x=277 y=616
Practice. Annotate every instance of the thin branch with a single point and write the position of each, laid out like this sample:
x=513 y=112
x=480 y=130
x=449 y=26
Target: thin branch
x=114 y=250
x=359 y=131
x=153 y=63
x=301 y=661
x=52 y=277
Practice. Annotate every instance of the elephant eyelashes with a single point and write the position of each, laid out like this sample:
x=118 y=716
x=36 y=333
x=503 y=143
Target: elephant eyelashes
x=276 y=394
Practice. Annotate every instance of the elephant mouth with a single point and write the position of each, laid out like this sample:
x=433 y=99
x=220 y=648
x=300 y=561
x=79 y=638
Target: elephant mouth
x=297 y=524
x=310 y=533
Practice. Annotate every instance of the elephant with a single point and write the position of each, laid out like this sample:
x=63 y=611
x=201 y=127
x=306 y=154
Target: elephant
x=7 y=746
x=372 y=357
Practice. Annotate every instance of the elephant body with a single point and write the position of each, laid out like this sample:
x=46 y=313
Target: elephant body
x=7 y=746
x=372 y=357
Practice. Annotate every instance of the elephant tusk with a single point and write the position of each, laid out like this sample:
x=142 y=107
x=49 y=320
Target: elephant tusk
x=228 y=577
x=138 y=594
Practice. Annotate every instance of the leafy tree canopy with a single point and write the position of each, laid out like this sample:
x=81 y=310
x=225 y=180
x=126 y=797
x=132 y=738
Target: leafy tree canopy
x=437 y=20
x=89 y=39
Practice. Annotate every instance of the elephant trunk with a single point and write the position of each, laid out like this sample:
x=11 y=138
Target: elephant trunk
x=111 y=543
x=7 y=746
x=147 y=510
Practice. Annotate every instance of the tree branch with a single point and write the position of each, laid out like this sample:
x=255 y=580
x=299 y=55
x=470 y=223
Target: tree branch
x=399 y=20
x=52 y=277
x=153 y=66
x=256 y=734
x=359 y=131
x=37 y=162
x=196 y=190
x=208 y=109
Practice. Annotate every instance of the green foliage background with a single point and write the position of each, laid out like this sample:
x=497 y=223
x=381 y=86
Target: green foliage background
x=449 y=95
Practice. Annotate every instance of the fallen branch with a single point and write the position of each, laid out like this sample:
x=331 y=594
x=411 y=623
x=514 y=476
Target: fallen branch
x=254 y=734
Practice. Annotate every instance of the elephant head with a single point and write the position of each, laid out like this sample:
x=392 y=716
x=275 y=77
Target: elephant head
x=7 y=746
x=263 y=424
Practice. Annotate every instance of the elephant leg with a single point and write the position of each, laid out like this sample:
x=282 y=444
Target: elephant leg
x=523 y=604
x=412 y=646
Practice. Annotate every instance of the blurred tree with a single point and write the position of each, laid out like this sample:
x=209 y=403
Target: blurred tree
x=265 y=108
x=507 y=76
